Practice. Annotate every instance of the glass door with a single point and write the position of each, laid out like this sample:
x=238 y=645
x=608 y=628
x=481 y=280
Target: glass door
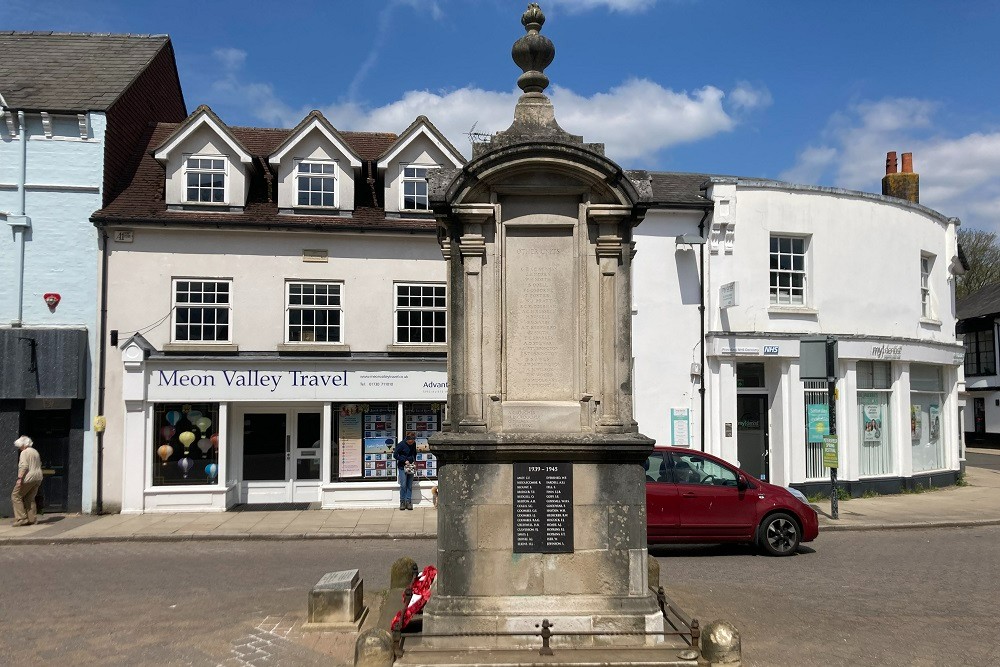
x=307 y=457
x=265 y=447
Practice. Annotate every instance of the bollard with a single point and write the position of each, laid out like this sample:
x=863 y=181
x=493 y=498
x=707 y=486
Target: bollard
x=720 y=644
x=373 y=648
x=402 y=572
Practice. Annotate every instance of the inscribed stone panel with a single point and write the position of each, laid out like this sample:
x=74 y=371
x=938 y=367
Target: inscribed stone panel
x=541 y=327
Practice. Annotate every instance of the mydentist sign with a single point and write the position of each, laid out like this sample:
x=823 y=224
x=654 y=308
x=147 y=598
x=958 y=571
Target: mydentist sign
x=294 y=384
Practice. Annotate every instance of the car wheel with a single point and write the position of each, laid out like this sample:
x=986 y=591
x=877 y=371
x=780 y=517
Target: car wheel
x=779 y=535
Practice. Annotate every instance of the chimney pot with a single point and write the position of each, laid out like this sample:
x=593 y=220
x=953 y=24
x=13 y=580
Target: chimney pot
x=890 y=162
x=907 y=163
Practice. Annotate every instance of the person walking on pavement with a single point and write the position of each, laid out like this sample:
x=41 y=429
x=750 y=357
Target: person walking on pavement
x=29 y=478
x=406 y=467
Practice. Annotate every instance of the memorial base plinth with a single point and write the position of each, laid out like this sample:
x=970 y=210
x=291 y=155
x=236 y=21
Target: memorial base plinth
x=417 y=655
x=487 y=591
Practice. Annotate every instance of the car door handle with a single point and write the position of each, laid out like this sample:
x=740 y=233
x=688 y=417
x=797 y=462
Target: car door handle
x=689 y=494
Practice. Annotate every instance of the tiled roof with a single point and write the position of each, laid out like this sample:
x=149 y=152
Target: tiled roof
x=59 y=71
x=142 y=202
x=678 y=188
x=984 y=302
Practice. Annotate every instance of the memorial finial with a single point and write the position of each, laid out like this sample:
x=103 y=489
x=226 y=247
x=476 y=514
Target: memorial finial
x=533 y=52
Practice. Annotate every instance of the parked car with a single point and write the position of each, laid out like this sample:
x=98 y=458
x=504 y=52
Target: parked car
x=693 y=497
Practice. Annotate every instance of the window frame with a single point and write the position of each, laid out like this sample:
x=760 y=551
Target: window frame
x=403 y=180
x=298 y=176
x=973 y=362
x=225 y=177
x=926 y=296
x=396 y=309
x=288 y=309
x=775 y=291
x=175 y=305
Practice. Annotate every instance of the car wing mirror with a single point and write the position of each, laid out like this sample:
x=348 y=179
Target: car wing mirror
x=742 y=484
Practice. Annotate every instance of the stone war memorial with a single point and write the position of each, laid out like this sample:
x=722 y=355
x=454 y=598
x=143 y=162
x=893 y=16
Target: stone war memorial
x=542 y=511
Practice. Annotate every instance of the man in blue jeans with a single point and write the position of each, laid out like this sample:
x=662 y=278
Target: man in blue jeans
x=405 y=452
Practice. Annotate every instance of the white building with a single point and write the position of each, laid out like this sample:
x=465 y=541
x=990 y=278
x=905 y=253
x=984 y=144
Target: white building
x=771 y=263
x=279 y=300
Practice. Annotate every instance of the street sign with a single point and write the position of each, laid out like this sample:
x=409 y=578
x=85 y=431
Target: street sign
x=813 y=358
x=830 y=451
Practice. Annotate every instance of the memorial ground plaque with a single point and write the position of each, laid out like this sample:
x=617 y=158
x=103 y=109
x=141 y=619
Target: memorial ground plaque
x=543 y=508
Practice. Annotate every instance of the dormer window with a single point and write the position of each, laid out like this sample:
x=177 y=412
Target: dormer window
x=414 y=190
x=206 y=179
x=316 y=183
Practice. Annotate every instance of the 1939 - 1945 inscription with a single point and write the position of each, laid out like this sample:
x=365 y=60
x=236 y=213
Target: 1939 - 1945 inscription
x=543 y=507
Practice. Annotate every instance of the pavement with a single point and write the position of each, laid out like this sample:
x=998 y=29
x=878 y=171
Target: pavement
x=976 y=504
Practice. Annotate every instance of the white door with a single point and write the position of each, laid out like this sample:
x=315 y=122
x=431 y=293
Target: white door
x=282 y=451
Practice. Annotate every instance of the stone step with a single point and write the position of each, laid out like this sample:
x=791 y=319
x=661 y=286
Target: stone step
x=415 y=656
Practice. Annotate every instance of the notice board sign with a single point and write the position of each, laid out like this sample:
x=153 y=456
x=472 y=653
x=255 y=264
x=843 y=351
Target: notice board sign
x=543 y=508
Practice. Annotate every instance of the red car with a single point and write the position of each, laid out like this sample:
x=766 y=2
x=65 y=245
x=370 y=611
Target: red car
x=695 y=497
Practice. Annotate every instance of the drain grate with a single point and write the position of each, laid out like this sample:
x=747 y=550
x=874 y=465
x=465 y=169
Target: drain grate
x=274 y=507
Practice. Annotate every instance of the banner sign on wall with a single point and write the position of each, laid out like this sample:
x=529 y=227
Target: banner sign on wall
x=680 y=427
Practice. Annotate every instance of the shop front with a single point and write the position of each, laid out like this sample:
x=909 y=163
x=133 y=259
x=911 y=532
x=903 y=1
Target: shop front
x=210 y=434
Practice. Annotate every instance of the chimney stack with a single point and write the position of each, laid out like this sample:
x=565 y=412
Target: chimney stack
x=903 y=185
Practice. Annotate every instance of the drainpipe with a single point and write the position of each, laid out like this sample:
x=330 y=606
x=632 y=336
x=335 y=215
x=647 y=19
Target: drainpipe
x=701 y=312
x=102 y=357
x=19 y=221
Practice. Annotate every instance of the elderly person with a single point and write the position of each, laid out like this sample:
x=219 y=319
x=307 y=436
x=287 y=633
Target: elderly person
x=29 y=478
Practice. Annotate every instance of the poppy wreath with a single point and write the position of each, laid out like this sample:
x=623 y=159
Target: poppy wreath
x=420 y=594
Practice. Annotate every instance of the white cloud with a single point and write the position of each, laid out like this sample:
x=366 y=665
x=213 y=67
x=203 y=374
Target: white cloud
x=232 y=60
x=576 y=6
x=636 y=120
x=959 y=175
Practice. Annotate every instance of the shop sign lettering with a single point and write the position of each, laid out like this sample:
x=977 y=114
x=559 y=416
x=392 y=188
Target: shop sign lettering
x=887 y=351
x=295 y=383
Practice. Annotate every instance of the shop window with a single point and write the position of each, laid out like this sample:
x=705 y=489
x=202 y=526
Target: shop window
x=749 y=376
x=926 y=399
x=817 y=405
x=185 y=444
x=874 y=419
x=423 y=420
x=421 y=314
x=367 y=436
x=201 y=311
x=314 y=312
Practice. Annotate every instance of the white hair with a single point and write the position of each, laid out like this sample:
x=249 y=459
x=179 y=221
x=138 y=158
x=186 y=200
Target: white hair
x=23 y=442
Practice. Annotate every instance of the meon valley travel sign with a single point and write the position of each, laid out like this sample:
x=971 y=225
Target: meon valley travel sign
x=294 y=383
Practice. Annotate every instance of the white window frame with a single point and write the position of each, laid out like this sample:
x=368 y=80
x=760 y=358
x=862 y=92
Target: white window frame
x=433 y=309
x=774 y=293
x=403 y=180
x=298 y=176
x=926 y=302
x=886 y=448
x=175 y=306
x=225 y=177
x=289 y=308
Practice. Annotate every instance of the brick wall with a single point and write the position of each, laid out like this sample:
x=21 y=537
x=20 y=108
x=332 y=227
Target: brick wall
x=154 y=95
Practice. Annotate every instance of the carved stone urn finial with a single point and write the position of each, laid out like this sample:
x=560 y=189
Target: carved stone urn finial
x=533 y=52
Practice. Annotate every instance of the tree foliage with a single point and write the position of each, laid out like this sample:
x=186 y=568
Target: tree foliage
x=982 y=255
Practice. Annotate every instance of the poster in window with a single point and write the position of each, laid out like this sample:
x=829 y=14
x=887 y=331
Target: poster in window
x=350 y=445
x=872 y=414
x=916 y=421
x=934 y=417
x=818 y=416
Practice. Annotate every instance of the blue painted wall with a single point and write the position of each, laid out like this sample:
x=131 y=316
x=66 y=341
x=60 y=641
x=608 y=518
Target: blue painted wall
x=64 y=187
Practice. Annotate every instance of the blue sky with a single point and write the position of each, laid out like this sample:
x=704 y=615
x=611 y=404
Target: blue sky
x=802 y=90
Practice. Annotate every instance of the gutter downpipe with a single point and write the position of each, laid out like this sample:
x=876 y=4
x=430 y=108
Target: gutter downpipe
x=101 y=368
x=22 y=226
x=701 y=311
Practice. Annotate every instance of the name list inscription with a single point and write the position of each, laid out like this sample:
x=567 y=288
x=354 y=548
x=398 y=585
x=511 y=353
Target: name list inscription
x=543 y=508
x=541 y=325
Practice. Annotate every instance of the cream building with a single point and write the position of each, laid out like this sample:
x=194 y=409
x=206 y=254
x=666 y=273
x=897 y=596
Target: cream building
x=276 y=305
